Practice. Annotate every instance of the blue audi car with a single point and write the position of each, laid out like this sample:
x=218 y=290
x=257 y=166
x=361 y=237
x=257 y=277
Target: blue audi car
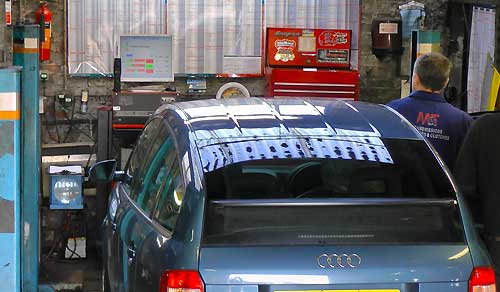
x=286 y=195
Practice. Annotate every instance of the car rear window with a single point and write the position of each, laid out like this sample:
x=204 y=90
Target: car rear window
x=405 y=199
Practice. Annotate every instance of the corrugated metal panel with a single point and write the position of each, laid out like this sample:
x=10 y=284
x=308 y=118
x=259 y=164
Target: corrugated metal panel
x=217 y=36
x=95 y=26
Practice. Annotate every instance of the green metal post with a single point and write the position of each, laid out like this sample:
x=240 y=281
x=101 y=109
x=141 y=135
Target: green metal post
x=26 y=42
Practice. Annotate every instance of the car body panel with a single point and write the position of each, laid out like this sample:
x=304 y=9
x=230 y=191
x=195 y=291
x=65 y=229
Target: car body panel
x=111 y=240
x=212 y=121
x=479 y=254
x=232 y=288
x=208 y=124
x=298 y=265
x=123 y=222
x=156 y=249
x=109 y=259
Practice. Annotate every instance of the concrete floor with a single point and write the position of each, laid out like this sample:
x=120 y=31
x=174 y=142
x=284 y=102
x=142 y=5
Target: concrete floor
x=72 y=275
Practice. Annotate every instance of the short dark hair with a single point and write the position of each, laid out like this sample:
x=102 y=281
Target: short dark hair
x=433 y=70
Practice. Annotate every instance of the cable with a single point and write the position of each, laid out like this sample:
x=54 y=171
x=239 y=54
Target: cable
x=90 y=156
x=43 y=87
x=48 y=132
x=74 y=127
x=72 y=251
x=73 y=226
x=69 y=120
x=68 y=237
x=85 y=134
x=91 y=153
x=86 y=230
x=64 y=226
x=55 y=122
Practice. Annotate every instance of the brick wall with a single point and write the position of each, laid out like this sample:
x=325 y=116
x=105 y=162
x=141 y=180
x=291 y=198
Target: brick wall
x=380 y=79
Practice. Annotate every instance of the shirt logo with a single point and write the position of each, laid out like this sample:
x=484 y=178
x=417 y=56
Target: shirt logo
x=427 y=119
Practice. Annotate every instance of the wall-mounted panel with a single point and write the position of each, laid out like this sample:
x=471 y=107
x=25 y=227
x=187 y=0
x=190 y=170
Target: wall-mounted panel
x=209 y=36
x=95 y=26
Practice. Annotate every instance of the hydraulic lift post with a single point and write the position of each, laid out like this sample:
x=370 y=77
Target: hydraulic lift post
x=26 y=55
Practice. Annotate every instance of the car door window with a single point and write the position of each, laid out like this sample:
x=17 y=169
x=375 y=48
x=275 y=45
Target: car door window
x=155 y=177
x=150 y=140
x=170 y=199
x=140 y=149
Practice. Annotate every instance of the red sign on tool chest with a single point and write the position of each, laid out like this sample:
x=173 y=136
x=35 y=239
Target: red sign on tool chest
x=296 y=47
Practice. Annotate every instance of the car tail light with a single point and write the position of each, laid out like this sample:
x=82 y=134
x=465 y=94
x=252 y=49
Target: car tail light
x=181 y=281
x=482 y=279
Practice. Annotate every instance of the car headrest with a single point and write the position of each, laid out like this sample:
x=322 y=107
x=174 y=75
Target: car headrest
x=260 y=185
x=371 y=180
x=305 y=177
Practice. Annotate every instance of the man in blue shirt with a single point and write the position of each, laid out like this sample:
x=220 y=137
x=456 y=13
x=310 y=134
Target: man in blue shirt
x=441 y=123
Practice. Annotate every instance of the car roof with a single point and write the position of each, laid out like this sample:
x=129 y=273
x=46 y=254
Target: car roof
x=223 y=120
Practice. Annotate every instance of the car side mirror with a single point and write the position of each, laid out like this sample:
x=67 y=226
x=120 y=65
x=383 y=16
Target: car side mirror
x=103 y=171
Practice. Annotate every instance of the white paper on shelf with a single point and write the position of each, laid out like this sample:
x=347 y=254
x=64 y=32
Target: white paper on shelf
x=147 y=88
x=54 y=169
x=242 y=65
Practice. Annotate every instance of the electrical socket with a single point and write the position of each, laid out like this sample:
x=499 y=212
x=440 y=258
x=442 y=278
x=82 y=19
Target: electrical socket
x=85 y=96
x=44 y=75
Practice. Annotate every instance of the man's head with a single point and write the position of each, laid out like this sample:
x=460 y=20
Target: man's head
x=431 y=72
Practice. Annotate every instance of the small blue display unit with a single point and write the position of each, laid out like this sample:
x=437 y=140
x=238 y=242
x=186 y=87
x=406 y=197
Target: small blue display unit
x=66 y=191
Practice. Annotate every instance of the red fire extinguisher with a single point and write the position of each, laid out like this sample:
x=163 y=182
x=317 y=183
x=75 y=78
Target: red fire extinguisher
x=44 y=18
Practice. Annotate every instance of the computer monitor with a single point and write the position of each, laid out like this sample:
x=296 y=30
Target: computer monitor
x=146 y=58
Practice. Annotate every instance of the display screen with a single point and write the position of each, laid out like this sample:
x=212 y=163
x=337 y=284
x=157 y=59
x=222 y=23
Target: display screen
x=146 y=58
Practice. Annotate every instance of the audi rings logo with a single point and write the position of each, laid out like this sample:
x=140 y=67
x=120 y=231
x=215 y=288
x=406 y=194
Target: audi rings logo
x=338 y=260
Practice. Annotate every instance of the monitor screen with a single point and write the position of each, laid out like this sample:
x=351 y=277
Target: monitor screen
x=146 y=58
